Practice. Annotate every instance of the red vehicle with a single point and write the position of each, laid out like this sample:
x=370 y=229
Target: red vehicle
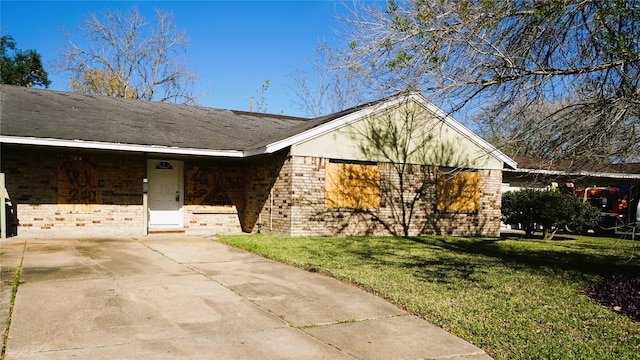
x=618 y=206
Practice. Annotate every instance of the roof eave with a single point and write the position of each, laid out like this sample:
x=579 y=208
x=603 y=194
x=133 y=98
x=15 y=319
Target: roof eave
x=578 y=173
x=322 y=129
x=357 y=115
x=97 y=145
x=490 y=149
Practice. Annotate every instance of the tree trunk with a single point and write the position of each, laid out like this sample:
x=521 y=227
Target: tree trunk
x=547 y=233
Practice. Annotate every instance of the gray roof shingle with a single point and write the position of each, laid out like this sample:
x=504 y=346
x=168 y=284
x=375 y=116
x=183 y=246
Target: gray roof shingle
x=37 y=113
x=55 y=118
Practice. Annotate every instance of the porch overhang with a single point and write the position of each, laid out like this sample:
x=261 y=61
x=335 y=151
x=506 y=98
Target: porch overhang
x=97 y=145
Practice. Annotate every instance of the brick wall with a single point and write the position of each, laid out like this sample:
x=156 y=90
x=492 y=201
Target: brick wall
x=33 y=181
x=211 y=220
x=266 y=191
x=214 y=197
x=299 y=206
x=306 y=196
x=490 y=202
x=281 y=194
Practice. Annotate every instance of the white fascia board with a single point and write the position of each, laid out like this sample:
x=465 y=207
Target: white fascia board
x=355 y=116
x=579 y=173
x=96 y=145
x=325 y=128
x=492 y=150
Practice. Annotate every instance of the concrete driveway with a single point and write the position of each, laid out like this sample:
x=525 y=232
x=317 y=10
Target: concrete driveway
x=182 y=297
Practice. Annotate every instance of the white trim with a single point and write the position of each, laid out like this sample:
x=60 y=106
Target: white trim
x=324 y=128
x=280 y=144
x=357 y=115
x=492 y=150
x=577 y=173
x=81 y=144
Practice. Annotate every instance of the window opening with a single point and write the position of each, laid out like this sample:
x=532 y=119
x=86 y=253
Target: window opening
x=352 y=185
x=164 y=165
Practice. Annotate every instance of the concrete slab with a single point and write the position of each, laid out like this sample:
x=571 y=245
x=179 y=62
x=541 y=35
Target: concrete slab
x=297 y=296
x=279 y=343
x=11 y=251
x=288 y=292
x=193 y=250
x=90 y=258
x=144 y=315
x=400 y=337
x=191 y=297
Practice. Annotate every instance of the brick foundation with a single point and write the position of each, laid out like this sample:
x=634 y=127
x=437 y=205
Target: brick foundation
x=212 y=220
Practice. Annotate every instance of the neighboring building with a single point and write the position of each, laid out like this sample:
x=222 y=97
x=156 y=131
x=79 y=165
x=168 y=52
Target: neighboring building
x=81 y=165
x=533 y=172
x=613 y=188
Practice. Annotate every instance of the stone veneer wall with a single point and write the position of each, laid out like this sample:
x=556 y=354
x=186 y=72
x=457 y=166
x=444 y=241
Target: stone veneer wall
x=32 y=183
x=299 y=207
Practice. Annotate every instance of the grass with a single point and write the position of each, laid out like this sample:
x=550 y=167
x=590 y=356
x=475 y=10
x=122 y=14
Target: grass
x=514 y=298
x=12 y=302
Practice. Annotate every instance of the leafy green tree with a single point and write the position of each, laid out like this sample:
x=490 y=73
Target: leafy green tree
x=550 y=210
x=21 y=68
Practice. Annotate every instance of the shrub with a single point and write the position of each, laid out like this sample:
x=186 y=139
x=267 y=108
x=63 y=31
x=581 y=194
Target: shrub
x=549 y=209
x=619 y=292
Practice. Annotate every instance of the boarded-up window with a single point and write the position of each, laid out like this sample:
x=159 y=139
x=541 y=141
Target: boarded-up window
x=215 y=186
x=458 y=191
x=352 y=186
x=77 y=183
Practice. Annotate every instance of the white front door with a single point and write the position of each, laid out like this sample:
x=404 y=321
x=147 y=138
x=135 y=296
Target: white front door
x=165 y=194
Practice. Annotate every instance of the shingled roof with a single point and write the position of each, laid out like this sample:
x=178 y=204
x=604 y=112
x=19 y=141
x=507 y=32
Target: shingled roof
x=34 y=113
x=65 y=119
x=30 y=114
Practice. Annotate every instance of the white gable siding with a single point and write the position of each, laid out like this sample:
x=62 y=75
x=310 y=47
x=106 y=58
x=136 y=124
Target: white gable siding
x=342 y=142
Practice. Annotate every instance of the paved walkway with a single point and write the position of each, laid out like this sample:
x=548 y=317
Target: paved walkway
x=181 y=297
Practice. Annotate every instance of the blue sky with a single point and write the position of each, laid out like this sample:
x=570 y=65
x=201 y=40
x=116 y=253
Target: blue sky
x=235 y=45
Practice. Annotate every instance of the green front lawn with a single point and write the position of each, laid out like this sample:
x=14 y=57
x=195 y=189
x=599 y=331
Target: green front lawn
x=514 y=298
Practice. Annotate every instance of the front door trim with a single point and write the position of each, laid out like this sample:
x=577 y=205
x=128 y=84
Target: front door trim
x=165 y=194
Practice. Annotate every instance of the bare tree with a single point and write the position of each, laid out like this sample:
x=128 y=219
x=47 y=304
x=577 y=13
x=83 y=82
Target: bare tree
x=261 y=100
x=329 y=86
x=119 y=54
x=509 y=57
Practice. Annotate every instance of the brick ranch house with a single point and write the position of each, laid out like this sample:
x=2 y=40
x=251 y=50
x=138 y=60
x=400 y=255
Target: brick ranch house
x=81 y=165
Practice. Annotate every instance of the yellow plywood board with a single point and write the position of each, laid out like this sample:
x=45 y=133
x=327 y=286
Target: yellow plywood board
x=352 y=186
x=458 y=192
x=209 y=187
